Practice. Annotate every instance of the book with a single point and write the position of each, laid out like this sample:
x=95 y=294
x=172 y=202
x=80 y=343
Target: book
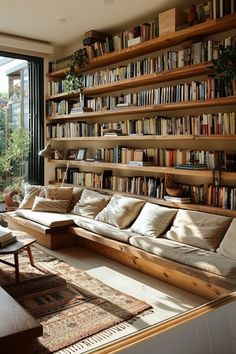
x=5 y=233
x=177 y=199
x=8 y=241
x=195 y=166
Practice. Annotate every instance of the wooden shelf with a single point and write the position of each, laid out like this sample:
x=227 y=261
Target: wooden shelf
x=146 y=169
x=149 y=79
x=119 y=112
x=148 y=138
x=203 y=29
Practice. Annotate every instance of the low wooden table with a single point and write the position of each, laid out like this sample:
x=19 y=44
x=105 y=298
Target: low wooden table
x=17 y=326
x=23 y=242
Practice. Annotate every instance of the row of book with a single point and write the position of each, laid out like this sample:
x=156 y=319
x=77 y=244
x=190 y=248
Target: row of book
x=205 y=194
x=196 y=90
x=203 y=124
x=64 y=107
x=194 y=53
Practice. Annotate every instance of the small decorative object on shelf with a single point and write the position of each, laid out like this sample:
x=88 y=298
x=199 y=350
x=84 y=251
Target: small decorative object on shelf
x=73 y=83
x=80 y=57
x=81 y=154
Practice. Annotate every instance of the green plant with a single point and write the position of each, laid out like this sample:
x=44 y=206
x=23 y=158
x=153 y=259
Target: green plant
x=80 y=57
x=73 y=82
x=224 y=67
x=12 y=158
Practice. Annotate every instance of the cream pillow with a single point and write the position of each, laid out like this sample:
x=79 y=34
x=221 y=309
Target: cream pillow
x=50 y=205
x=198 y=229
x=228 y=244
x=90 y=203
x=153 y=220
x=76 y=194
x=60 y=193
x=30 y=193
x=120 y=211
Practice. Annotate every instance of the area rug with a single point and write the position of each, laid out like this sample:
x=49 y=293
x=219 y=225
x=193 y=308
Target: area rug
x=71 y=305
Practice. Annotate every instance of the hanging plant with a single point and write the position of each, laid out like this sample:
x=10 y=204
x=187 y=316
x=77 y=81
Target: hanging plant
x=80 y=57
x=73 y=83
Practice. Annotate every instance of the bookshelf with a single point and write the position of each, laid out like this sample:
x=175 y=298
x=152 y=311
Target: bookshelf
x=195 y=107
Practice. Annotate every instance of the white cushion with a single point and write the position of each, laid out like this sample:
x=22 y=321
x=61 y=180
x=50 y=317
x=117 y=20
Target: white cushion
x=153 y=220
x=228 y=244
x=45 y=218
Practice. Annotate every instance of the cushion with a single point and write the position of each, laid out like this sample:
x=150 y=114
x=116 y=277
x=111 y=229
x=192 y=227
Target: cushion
x=90 y=203
x=60 y=193
x=120 y=211
x=47 y=219
x=228 y=244
x=30 y=193
x=76 y=194
x=153 y=220
x=50 y=205
x=199 y=229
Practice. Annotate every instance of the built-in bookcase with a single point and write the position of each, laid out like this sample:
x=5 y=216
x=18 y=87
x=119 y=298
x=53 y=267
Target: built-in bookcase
x=154 y=107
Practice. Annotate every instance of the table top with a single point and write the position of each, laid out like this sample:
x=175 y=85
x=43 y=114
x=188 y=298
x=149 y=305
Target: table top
x=23 y=240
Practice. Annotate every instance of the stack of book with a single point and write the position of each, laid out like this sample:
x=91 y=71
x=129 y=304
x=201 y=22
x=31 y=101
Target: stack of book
x=6 y=237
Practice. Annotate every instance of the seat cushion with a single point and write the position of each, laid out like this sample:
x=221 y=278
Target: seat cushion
x=120 y=211
x=227 y=246
x=208 y=261
x=48 y=219
x=103 y=229
x=199 y=229
x=153 y=220
x=90 y=203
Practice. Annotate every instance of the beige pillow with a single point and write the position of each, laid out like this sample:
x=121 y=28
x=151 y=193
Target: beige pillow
x=199 y=229
x=50 y=205
x=228 y=244
x=60 y=193
x=30 y=193
x=153 y=220
x=76 y=194
x=90 y=203
x=120 y=211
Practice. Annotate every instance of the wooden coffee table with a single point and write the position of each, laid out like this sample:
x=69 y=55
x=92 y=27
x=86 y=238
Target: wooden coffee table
x=24 y=241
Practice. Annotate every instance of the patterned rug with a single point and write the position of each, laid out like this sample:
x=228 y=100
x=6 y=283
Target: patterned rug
x=71 y=305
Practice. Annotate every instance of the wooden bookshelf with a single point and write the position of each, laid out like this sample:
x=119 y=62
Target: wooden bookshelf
x=202 y=29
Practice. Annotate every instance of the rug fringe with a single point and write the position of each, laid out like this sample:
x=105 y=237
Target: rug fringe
x=87 y=343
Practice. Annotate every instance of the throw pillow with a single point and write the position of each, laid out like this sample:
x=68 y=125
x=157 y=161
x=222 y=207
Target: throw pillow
x=60 y=193
x=50 y=205
x=228 y=244
x=90 y=203
x=30 y=193
x=153 y=220
x=199 y=229
x=120 y=211
x=76 y=194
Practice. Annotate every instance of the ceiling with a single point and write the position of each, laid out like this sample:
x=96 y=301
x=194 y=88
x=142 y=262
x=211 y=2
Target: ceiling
x=63 y=23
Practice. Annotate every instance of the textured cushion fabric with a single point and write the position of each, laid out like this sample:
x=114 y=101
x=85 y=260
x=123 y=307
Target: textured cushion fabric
x=46 y=219
x=228 y=244
x=51 y=205
x=90 y=203
x=198 y=229
x=153 y=220
x=29 y=195
x=120 y=211
x=59 y=193
x=103 y=229
x=208 y=261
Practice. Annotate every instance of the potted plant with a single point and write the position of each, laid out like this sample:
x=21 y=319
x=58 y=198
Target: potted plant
x=73 y=82
x=80 y=57
x=224 y=68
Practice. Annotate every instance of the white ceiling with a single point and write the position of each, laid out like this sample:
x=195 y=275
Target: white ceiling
x=63 y=23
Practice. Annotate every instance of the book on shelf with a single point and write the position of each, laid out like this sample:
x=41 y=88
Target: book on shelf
x=125 y=104
x=80 y=110
x=194 y=166
x=8 y=241
x=139 y=163
x=177 y=199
